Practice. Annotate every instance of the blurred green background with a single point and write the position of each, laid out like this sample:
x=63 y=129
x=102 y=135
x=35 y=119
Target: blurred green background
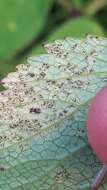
x=26 y=24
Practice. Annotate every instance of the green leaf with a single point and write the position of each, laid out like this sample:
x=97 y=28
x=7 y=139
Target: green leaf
x=92 y=7
x=43 y=142
x=20 y=22
x=75 y=28
x=78 y=3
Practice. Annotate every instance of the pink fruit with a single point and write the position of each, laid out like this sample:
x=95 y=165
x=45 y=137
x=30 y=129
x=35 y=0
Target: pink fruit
x=97 y=125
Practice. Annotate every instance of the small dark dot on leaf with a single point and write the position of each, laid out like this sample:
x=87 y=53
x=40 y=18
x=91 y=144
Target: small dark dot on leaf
x=2 y=168
x=35 y=110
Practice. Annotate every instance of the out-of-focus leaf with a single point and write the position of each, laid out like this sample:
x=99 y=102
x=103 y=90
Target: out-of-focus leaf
x=78 y=3
x=74 y=28
x=20 y=21
x=43 y=143
x=93 y=7
x=77 y=28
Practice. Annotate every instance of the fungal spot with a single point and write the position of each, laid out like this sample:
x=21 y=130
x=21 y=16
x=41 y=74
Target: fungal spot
x=2 y=168
x=35 y=110
x=31 y=74
x=65 y=111
x=61 y=114
x=61 y=174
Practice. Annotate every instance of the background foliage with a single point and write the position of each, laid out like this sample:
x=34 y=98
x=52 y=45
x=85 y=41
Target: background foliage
x=25 y=25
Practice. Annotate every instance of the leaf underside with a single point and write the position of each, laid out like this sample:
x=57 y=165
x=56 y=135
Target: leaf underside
x=43 y=142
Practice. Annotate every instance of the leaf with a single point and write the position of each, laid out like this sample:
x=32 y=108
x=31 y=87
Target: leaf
x=43 y=142
x=78 y=28
x=78 y=3
x=75 y=28
x=20 y=22
x=93 y=7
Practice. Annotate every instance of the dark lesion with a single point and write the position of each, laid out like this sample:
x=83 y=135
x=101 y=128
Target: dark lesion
x=2 y=168
x=35 y=110
x=61 y=174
